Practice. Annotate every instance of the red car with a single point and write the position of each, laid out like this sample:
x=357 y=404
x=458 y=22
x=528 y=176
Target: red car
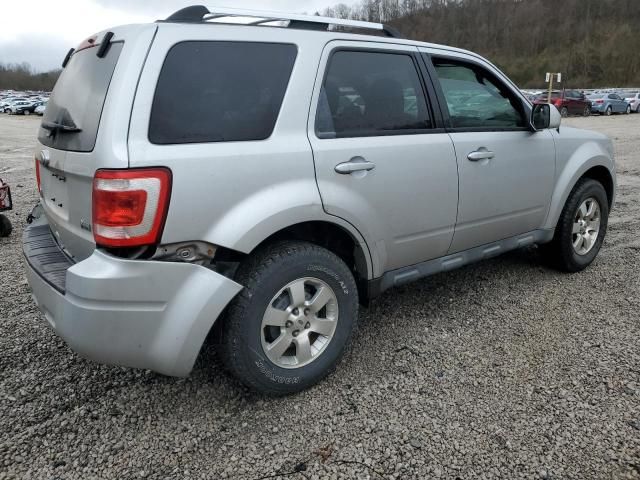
x=569 y=102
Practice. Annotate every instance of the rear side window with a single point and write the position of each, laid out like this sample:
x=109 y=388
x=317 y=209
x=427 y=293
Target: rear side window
x=370 y=94
x=477 y=100
x=220 y=91
x=77 y=100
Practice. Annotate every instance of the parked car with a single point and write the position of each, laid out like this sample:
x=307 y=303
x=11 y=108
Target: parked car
x=6 y=103
x=21 y=107
x=568 y=102
x=608 y=103
x=633 y=99
x=202 y=198
x=40 y=108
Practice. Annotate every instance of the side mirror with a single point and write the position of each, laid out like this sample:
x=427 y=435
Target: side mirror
x=545 y=116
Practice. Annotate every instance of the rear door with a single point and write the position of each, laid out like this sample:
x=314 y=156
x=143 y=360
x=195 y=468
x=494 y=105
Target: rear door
x=382 y=161
x=84 y=128
x=506 y=171
x=617 y=104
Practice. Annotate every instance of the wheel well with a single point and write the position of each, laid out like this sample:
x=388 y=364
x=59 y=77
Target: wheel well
x=325 y=234
x=602 y=175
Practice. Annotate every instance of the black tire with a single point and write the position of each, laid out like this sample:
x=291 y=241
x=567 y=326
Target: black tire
x=5 y=226
x=263 y=275
x=560 y=251
x=628 y=110
x=586 y=112
x=609 y=111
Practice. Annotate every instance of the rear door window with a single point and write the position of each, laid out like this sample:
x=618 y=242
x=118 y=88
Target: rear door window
x=371 y=94
x=78 y=98
x=220 y=91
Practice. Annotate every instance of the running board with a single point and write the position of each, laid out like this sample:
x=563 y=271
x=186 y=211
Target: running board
x=404 y=275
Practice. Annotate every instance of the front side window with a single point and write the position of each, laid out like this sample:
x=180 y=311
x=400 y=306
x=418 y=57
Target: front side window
x=369 y=94
x=220 y=91
x=475 y=99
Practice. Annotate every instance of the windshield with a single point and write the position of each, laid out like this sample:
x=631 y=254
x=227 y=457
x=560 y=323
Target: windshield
x=77 y=100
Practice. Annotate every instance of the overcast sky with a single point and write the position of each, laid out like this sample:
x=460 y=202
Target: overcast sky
x=41 y=31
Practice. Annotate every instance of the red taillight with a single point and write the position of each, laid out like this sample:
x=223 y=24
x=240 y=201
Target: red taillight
x=38 y=175
x=130 y=206
x=599 y=101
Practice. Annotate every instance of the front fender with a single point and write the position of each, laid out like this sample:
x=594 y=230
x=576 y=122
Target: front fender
x=585 y=157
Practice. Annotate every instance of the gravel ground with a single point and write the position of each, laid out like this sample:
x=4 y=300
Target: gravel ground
x=505 y=369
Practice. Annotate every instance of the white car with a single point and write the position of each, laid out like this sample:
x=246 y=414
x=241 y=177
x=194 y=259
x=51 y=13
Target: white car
x=6 y=103
x=633 y=99
x=40 y=109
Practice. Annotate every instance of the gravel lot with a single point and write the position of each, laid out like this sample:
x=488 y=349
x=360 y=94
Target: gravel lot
x=505 y=369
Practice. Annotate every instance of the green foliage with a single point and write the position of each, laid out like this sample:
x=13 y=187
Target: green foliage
x=22 y=77
x=594 y=43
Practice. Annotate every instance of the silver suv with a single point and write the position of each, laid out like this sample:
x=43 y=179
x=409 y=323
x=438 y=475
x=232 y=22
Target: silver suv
x=254 y=183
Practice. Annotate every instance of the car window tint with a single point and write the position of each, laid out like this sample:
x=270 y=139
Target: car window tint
x=78 y=98
x=220 y=91
x=371 y=93
x=475 y=99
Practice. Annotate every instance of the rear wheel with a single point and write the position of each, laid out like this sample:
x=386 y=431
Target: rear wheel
x=581 y=227
x=292 y=322
x=609 y=111
x=27 y=112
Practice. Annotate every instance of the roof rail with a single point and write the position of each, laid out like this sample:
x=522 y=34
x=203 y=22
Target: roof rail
x=200 y=14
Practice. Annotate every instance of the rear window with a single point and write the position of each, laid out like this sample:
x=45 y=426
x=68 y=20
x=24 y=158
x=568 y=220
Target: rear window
x=77 y=99
x=220 y=91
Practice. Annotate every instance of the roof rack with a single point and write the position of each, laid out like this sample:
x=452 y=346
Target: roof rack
x=201 y=14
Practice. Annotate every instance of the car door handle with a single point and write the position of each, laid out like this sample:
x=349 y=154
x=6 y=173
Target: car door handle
x=480 y=155
x=356 y=164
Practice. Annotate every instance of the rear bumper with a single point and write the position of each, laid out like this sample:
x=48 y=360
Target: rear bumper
x=134 y=313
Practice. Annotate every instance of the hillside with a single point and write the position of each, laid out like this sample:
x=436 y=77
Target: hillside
x=594 y=43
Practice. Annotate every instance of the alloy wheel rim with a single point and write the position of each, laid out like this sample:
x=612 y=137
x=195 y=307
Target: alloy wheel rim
x=299 y=322
x=586 y=226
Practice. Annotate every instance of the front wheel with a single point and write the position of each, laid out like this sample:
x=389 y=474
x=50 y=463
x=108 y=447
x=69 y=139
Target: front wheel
x=581 y=227
x=290 y=325
x=628 y=110
x=26 y=112
x=586 y=112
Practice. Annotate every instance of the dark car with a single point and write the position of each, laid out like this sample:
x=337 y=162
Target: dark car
x=21 y=107
x=568 y=102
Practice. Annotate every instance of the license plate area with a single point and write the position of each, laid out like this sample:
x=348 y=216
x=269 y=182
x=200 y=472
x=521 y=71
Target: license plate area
x=54 y=191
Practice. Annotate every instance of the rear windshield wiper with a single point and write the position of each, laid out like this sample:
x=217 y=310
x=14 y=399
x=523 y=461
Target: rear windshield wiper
x=54 y=127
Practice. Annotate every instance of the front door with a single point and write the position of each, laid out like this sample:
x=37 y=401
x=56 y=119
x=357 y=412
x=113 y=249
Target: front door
x=381 y=162
x=506 y=170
